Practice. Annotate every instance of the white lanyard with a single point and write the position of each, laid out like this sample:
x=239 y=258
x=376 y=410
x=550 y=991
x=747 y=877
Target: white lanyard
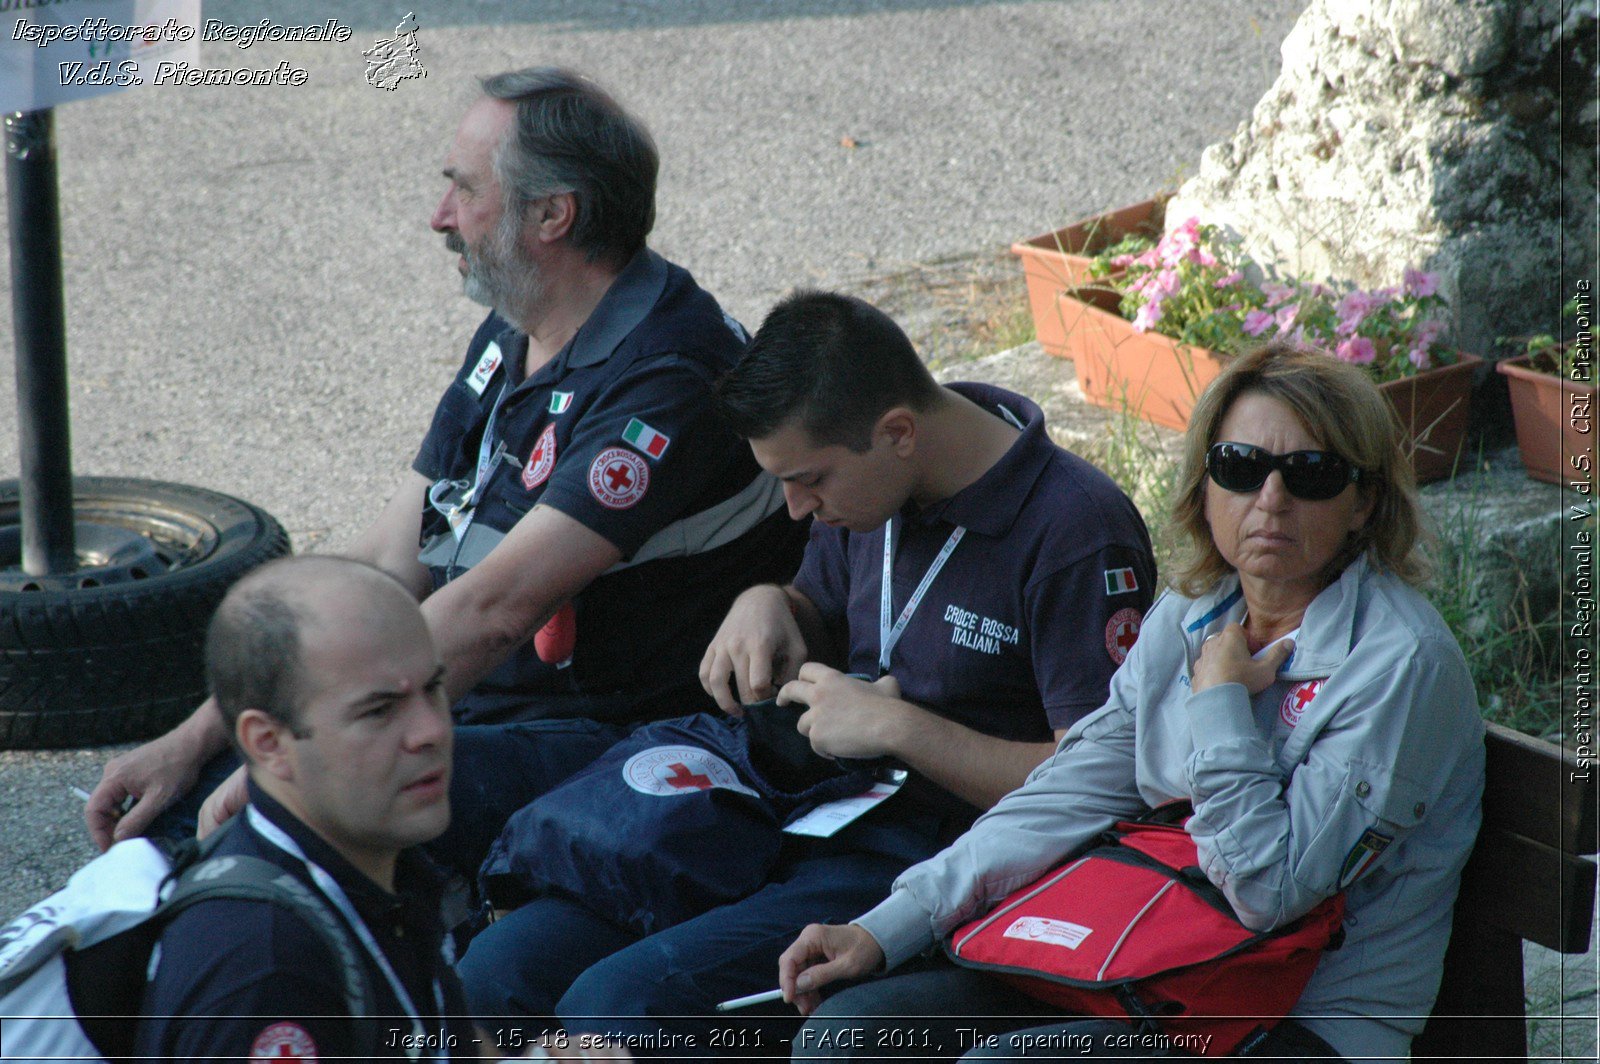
x=335 y=893
x=455 y=498
x=887 y=636
x=488 y=451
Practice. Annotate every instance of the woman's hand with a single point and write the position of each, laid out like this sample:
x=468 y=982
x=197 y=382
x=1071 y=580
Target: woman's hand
x=822 y=954
x=1225 y=658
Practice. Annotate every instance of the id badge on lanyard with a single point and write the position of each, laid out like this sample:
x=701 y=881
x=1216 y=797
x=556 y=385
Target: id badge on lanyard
x=455 y=499
x=889 y=635
x=827 y=819
x=335 y=893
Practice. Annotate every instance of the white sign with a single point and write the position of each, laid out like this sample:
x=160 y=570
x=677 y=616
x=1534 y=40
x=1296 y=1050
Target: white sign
x=1043 y=929
x=76 y=49
x=827 y=818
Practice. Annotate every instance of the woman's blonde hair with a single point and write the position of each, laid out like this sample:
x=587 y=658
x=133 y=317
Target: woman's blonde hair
x=1345 y=413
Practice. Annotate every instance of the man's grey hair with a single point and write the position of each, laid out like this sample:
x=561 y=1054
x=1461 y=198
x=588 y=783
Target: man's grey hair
x=571 y=136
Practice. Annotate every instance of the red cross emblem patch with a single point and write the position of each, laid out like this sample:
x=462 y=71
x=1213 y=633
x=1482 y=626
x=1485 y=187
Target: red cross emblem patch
x=669 y=770
x=1296 y=701
x=283 y=1041
x=1122 y=631
x=618 y=478
x=541 y=460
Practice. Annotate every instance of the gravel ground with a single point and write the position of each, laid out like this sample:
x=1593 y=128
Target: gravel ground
x=238 y=314
x=237 y=319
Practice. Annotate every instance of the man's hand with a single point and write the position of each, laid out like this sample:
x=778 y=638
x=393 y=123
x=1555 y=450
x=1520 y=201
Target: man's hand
x=223 y=803
x=759 y=644
x=821 y=955
x=849 y=717
x=156 y=774
x=1225 y=658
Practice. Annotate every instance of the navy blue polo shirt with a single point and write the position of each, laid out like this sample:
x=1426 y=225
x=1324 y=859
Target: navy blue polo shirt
x=618 y=431
x=246 y=980
x=1020 y=631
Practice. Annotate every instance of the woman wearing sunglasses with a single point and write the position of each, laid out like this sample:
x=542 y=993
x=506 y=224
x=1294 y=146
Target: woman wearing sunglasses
x=1293 y=685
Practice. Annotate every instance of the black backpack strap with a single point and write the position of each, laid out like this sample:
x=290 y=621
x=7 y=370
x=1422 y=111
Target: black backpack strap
x=204 y=877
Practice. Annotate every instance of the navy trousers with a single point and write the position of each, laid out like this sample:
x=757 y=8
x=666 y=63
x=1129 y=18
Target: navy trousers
x=555 y=961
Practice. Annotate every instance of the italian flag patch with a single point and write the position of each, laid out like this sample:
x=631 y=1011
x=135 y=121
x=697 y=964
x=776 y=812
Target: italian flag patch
x=646 y=438
x=1121 y=581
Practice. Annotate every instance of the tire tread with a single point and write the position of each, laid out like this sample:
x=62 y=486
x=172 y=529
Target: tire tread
x=123 y=661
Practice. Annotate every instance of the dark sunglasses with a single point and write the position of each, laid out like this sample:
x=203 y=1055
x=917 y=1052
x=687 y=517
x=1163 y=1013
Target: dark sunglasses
x=1310 y=475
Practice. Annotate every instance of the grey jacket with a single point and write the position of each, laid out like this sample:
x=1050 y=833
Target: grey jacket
x=1372 y=784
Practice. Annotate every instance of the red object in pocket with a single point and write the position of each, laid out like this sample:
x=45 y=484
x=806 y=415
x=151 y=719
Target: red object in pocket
x=555 y=642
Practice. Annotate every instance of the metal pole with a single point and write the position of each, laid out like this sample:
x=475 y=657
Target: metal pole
x=39 y=319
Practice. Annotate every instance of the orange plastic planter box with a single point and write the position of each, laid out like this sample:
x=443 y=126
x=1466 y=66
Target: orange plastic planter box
x=1055 y=262
x=1158 y=379
x=1554 y=418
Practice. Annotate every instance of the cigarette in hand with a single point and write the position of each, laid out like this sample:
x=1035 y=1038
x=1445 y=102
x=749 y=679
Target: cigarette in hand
x=751 y=999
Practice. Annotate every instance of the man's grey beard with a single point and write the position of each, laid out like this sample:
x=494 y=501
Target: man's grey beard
x=499 y=276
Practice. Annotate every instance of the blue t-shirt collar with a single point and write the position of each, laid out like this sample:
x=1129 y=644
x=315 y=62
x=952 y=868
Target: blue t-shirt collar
x=625 y=305
x=990 y=504
x=417 y=880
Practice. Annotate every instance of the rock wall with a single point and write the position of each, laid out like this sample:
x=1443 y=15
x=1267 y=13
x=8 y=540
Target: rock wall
x=1454 y=135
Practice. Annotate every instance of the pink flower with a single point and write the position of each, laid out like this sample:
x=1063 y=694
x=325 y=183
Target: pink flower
x=1149 y=257
x=1256 y=322
x=1148 y=316
x=1353 y=310
x=1181 y=243
x=1420 y=283
x=1227 y=279
x=1276 y=293
x=1386 y=295
x=1203 y=257
x=1428 y=331
x=1320 y=290
x=1167 y=283
x=1357 y=350
x=1121 y=261
x=1176 y=248
x=1286 y=315
x=1422 y=340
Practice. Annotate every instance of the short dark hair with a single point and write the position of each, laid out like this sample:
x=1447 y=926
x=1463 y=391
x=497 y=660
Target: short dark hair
x=252 y=651
x=571 y=135
x=834 y=363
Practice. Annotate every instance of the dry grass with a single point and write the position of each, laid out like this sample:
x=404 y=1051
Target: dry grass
x=955 y=309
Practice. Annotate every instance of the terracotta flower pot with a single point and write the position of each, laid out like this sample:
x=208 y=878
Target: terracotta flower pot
x=1158 y=379
x=1153 y=376
x=1435 y=408
x=1054 y=262
x=1554 y=418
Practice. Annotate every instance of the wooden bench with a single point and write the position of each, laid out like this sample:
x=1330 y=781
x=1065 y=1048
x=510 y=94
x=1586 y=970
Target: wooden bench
x=1527 y=880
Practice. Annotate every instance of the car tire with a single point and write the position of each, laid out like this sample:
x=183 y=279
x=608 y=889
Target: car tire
x=114 y=650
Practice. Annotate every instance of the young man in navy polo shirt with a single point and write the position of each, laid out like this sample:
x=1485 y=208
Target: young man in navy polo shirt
x=325 y=670
x=1018 y=577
